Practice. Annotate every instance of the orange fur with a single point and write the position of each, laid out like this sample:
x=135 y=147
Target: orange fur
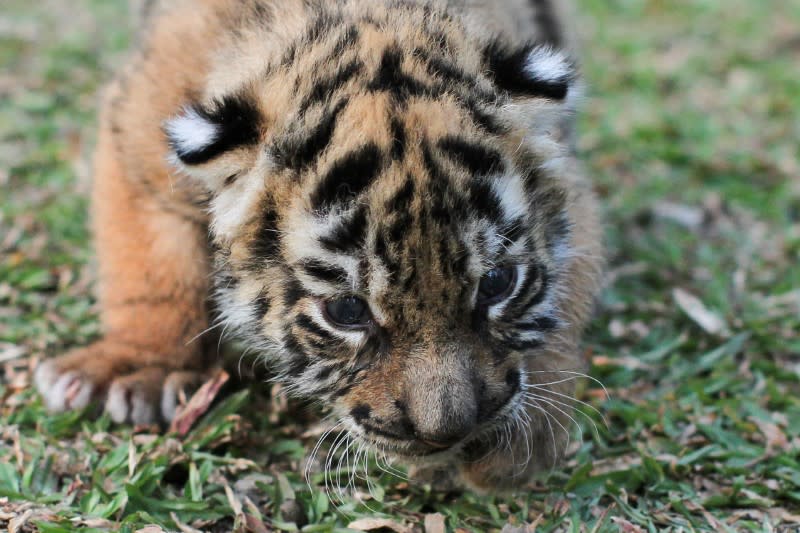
x=285 y=155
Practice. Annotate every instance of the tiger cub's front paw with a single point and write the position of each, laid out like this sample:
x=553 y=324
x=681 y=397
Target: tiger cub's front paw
x=115 y=376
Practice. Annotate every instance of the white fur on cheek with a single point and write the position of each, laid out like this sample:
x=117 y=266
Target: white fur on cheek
x=235 y=206
x=190 y=132
x=546 y=64
x=510 y=191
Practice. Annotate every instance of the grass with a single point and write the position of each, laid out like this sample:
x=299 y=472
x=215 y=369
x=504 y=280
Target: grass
x=691 y=134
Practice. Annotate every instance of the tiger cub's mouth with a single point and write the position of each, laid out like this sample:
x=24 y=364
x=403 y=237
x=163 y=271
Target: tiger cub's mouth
x=481 y=439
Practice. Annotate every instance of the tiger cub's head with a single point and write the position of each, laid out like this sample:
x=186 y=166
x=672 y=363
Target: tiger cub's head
x=393 y=228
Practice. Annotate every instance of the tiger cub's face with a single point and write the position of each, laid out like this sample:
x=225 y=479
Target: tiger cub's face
x=389 y=223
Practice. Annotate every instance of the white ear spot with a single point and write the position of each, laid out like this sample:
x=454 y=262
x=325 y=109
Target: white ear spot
x=545 y=64
x=190 y=132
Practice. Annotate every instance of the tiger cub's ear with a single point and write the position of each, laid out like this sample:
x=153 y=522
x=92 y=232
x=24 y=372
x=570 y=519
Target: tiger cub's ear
x=531 y=71
x=210 y=141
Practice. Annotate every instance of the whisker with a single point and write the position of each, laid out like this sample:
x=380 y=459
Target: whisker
x=572 y=399
x=585 y=415
x=344 y=460
x=547 y=417
x=313 y=456
x=211 y=328
x=389 y=468
x=328 y=463
x=551 y=403
x=574 y=373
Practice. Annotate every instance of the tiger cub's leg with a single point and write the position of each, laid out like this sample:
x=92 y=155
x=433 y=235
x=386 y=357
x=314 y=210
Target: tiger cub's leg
x=153 y=287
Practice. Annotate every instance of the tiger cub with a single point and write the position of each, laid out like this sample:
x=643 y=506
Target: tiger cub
x=379 y=197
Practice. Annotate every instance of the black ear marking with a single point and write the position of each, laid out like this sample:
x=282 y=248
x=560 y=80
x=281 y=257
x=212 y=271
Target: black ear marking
x=531 y=70
x=202 y=132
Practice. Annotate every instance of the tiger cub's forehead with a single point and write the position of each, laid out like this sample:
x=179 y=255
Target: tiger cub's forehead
x=376 y=144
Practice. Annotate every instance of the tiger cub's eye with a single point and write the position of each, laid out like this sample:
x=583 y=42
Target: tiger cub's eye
x=497 y=285
x=348 y=312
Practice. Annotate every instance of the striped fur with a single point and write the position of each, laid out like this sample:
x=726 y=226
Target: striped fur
x=392 y=151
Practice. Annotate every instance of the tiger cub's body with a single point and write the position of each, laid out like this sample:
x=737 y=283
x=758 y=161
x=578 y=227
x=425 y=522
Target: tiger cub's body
x=380 y=197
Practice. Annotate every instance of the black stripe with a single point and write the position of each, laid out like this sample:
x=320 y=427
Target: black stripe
x=525 y=300
x=349 y=234
x=409 y=279
x=382 y=251
x=433 y=168
x=478 y=159
x=324 y=271
x=262 y=305
x=301 y=154
x=484 y=119
x=267 y=242
x=459 y=265
x=293 y=292
x=532 y=275
x=324 y=89
x=445 y=203
x=363 y=271
x=519 y=345
x=440 y=209
x=484 y=201
x=443 y=69
x=345 y=41
x=297 y=365
x=444 y=249
x=457 y=79
x=541 y=323
x=322 y=348
x=398 y=139
x=399 y=228
x=237 y=121
x=324 y=373
x=402 y=198
x=513 y=230
x=508 y=70
x=544 y=285
x=390 y=77
x=307 y=323
x=314 y=33
x=298 y=361
x=558 y=230
x=348 y=177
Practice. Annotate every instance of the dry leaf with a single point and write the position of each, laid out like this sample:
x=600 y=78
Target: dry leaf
x=255 y=525
x=624 y=361
x=198 y=405
x=150 y=529
x=776 y=439
x=784 y=516
x=372 y=524
x=688 y=216
x=434 y=523
x=185 y=528
x=626 y=526
x=699 y=313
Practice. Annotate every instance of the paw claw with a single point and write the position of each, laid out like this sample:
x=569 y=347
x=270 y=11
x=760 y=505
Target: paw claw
x=62 y=392
x=177 y=389
x=133 y=405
